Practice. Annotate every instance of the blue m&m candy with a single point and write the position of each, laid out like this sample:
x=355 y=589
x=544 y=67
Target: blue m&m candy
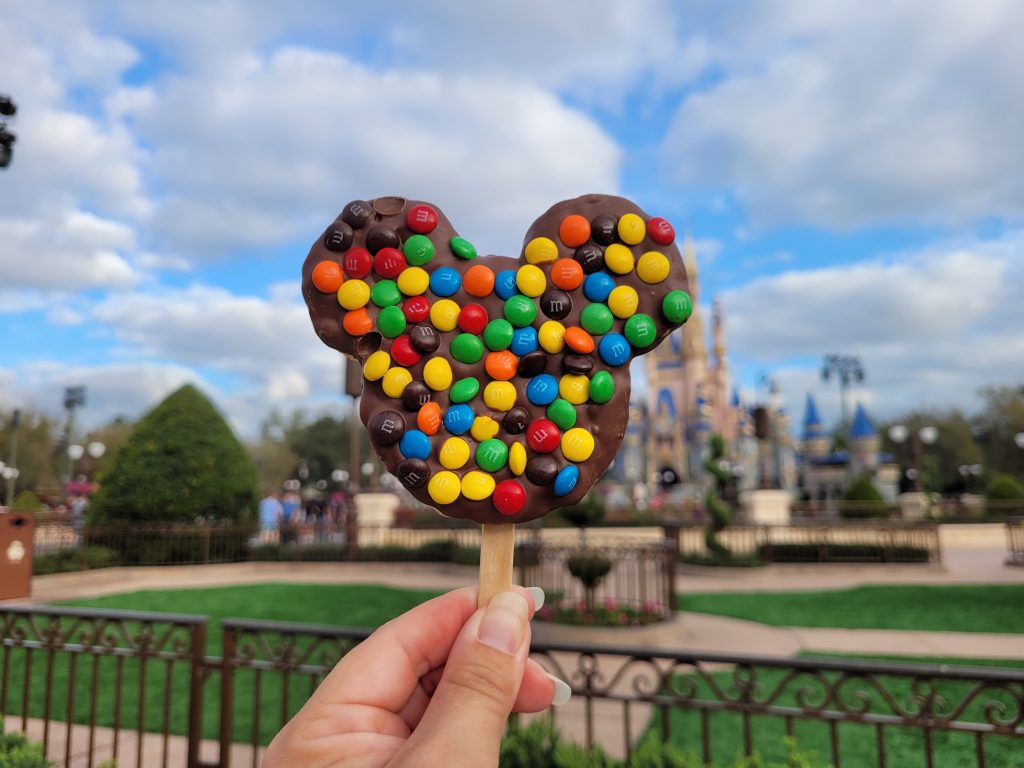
x=415 y=445
x=598 y=286
x=542 y=389
x=566 y=480
x=505 y=284
x=444 y=281
x=458 y=419
x=524 y=341
x=614 y=349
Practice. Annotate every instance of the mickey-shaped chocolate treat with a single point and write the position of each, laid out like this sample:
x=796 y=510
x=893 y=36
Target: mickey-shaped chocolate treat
x=496 y=388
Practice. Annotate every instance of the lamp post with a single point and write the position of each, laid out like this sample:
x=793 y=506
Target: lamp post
x=900 y=433
x=7 y=109
x=847 y=368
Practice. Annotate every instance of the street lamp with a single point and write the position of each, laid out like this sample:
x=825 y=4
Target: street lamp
x=7 y=109
x=1018 y=440
x=847 y=368
x=899 y=434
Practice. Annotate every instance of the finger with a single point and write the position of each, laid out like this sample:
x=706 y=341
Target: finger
x=537 y=691
x=481 y=681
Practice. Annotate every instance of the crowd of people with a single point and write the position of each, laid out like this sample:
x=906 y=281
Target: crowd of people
x=285 y=517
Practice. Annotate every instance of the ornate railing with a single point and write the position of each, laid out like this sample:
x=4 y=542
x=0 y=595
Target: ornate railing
x=126 y=675
x=1015 y=540
x=141 y=677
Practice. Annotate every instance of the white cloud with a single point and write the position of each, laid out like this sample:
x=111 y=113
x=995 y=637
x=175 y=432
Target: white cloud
x=843 y=115
x=931 y=327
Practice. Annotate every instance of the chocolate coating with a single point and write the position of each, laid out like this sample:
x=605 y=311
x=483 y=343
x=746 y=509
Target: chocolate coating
x=606 y=422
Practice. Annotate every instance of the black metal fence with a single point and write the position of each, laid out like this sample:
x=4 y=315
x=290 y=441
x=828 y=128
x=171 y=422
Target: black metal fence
x=1015 y=540
x=140 y=688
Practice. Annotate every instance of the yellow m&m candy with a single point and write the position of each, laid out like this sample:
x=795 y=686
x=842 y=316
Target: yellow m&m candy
x=577 y=444
x=444 y=315
x=530 y=280
x=540 y=250
x=623 y=301
x=618 y=258
x=517 y=458
x=477 y=485
x=353 y=294
x=500 y=395
x=395 y=381
x=575 y=388
x=413 y=281
x=631 y=228
x=376 y=365
x=652 y=267
x=444 y=487
x=484 y=428
x=437 y=374
x=551 y=336
x=454 y=453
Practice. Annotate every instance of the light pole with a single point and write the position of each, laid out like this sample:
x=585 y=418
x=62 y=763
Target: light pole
x=7 y=109
x=847 y=368
x=899 y=434
x=74 y=397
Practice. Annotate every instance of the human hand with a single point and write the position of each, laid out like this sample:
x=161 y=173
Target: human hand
x=433 y=687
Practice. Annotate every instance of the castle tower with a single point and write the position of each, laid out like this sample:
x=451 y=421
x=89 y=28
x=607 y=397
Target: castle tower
x=864 y=443
x=815 y=441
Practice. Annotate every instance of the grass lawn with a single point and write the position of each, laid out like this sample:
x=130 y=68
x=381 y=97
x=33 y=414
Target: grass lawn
x=968 y=608
x=857 y=746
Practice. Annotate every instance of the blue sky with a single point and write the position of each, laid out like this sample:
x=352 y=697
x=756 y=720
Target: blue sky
x=852 y=178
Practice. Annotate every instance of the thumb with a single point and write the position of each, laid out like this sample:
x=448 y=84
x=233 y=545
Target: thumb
x=467 y=714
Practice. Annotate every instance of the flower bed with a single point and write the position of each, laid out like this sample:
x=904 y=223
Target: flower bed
x=606 y=613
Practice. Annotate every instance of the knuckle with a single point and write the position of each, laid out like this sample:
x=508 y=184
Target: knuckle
x=487 y=683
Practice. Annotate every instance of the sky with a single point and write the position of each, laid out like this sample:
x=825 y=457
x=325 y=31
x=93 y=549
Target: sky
x=851 y=176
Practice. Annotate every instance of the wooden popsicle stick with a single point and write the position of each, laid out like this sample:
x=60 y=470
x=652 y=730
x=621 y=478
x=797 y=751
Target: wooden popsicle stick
x=497 y=551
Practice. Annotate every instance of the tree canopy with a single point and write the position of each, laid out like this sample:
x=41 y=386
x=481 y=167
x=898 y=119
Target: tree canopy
x=181 y=462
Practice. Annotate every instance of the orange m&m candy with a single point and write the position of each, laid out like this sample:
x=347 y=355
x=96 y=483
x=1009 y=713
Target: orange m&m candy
x=357 y=322
x=567 y=274
x=478 y=281
x=428 y=420
x=579 y=340
x=501 y=366
x=327 y=276
x=574 y=230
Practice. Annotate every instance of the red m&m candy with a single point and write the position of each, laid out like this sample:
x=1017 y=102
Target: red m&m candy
x=543 y=436
x=473 y=319
x=509 y=498
x=403 y=352
x=660 y=231
x=421 y=219
x=416 y=309
x=389 y=263
x=357 y=263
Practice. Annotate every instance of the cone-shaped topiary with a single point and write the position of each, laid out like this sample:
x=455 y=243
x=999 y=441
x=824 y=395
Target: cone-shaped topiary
x=181 y=462
x=719 y=513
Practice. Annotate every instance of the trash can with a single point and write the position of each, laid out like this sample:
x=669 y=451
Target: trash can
x=16 y=531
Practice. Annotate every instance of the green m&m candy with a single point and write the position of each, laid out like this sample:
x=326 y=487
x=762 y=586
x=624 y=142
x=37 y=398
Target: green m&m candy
x=677 y=306
x=466 y=348
x=491 y=455
x=498 y=334
x=418 y=250
x=462 y=248
x=640 y=331
x=602 y=387
x=391 y=322
x=597 y=319
x=520 y=311
x=385 y=293
x=562 y=413
x=464 y=390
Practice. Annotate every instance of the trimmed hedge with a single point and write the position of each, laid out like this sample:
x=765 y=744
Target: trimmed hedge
x=77 y=559
x=840 y=553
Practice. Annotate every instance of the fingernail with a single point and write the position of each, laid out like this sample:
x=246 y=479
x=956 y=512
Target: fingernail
x=538 y=597
x=562 y=691
x=503 y=626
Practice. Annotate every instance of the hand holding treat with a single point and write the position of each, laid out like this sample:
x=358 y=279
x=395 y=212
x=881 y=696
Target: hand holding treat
x=496 y=389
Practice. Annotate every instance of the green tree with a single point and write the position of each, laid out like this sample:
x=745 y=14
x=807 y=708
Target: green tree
x=1002 y=419
x=1003 y=487
x=35 y=445
x=181 y=462
x=940 y=462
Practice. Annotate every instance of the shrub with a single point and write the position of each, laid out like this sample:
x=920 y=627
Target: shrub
x=590 y=511
x=77 y=559
x=182 y=462
x=840 y=553
x=540 y=745
x=27 y=501
x=1003 y=487
x=863 y=489
x=590 y=568
x=16 y=751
